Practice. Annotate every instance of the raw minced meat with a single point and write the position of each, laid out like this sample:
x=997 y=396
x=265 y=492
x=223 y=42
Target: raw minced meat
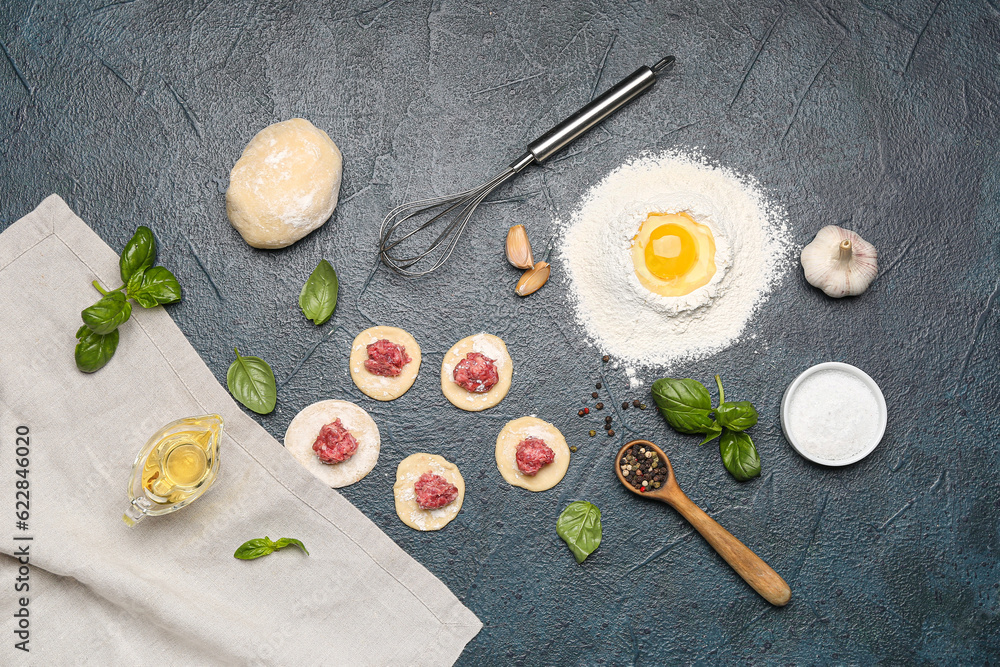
x=476 y=373
x=434 y=491
x=386 y=358
x=532 y=454
x=335 y=444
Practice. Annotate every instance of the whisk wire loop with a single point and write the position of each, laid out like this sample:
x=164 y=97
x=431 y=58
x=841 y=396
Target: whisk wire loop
x=465 y=203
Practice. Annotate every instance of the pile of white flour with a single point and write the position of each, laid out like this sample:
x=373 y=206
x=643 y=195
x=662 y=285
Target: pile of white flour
x=642 y=328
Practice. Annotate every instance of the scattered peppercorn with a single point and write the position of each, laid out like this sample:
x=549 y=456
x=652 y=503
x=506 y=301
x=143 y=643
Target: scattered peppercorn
x=581 y=413
x=593 y=433
x=608 y=419
x=625 y=405
x=611 y=432
x=572 y=449
x=642 y=406
x=586 y=411
x=636 y=402
x=599 y=406
x=594 y=394
x=605 y=358
x=598 y=385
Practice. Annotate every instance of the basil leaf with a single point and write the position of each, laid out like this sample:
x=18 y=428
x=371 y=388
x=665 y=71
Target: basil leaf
x=579 y=526
x=156 y=286
x=251 y=382
x=264 y=546
x=107 y=314
x=739 y=455
x=736 y=416
x=319 y=295
x=139 y=253
x=685 y=404
x=134 y=283
x=285 y=541
x=94 y=350
x=255 y=549
x=711 y=435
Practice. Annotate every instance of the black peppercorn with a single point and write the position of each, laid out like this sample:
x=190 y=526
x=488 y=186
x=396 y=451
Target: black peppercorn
x=593 y=394
x=611 y=432
x=636 y=402
x=599 y=406
x=625 y=405
x=598 y=385
x=605 y=358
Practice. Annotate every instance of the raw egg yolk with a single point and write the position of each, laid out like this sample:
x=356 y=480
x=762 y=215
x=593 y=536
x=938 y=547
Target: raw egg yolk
x=672 y=254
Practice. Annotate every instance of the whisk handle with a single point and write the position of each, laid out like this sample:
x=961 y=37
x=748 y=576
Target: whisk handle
x=597 y=110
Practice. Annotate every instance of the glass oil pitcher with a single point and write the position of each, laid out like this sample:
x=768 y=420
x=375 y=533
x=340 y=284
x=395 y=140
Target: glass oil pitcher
x=177 y=465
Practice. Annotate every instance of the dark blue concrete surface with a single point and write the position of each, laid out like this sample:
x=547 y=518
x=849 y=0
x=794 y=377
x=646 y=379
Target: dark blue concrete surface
x=879 y=116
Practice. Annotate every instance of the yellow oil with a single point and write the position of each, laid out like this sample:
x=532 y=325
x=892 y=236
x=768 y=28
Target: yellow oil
x=177 y=465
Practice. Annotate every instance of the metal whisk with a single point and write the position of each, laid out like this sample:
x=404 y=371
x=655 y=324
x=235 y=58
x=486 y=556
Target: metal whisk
x=456 y=210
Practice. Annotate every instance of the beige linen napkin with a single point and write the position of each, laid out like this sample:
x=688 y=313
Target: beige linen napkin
x=169 y=591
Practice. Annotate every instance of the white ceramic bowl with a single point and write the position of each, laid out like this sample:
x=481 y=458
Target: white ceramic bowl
x=856 y=372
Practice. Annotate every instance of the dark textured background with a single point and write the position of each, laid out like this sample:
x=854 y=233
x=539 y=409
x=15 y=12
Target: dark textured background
x=879 y=116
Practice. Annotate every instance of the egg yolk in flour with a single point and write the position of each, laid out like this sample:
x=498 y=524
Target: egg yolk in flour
x=673 y=255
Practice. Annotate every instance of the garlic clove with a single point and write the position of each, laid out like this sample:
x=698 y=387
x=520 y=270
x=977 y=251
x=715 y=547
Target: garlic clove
x=533 y=279
x=839 y=262
x=518 y=248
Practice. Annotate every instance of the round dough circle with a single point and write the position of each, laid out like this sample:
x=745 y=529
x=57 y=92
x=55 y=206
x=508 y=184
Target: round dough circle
x=376 y=386
x=409 y=471
x=487 y=345
x=304 y=429
x=531 y=427
x=285 y=184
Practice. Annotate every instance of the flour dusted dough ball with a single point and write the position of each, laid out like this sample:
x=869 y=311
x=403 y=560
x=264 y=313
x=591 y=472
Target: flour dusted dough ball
x=285 y=184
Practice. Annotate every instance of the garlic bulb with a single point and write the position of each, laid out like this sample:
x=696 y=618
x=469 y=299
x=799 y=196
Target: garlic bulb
x=839 y=262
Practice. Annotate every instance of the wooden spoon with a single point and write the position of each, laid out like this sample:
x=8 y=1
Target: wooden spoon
x=747 y=564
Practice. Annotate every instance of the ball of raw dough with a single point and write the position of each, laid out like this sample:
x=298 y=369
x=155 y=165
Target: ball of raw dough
x=285 y=184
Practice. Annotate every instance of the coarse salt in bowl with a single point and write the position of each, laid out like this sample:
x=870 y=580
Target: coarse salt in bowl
x=833 y=414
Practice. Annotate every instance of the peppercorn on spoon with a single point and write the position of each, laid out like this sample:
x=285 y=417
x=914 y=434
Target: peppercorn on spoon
x=747 y=564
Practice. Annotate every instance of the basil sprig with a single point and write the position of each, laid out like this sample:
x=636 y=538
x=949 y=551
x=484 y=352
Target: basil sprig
x=263 y=546
x=579 y=526
x=687 y=407
x=147 y=285
x=251 y=382
x=319 y=295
